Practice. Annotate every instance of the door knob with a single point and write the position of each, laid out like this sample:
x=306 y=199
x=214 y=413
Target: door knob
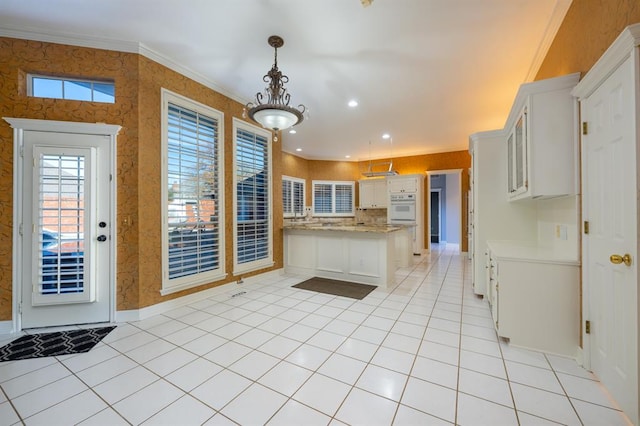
x=617 y=259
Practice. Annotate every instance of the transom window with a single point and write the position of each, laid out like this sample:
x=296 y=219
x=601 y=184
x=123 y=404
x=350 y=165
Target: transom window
x=193 y=195
x=42 y=86
x=333 y=198
x=293 y=196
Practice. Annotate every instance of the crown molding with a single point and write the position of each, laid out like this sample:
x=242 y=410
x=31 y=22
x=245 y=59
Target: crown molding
x=557 y=16
x=621 y=49
x=28 y=33
x=72 y=39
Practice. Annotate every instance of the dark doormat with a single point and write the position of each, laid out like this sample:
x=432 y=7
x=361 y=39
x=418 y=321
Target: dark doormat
x=53 y=344
x=337 y=288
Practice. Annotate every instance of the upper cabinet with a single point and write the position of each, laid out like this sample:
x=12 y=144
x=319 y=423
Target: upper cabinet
x=542 y=140
x=373 y=193
x=407 y=183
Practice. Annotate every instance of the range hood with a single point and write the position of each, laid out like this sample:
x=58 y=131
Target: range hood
x=380 y=169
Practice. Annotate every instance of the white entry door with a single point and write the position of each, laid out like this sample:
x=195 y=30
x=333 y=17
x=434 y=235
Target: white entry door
x=65 y=231
x=610 y=247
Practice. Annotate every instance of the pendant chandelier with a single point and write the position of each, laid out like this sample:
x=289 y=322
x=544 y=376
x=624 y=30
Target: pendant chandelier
x=271 y=108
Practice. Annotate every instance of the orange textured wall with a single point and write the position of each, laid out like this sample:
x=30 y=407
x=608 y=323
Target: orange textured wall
x=588 y=29
x=137 y=109
x=152 y=78
x=19 y=57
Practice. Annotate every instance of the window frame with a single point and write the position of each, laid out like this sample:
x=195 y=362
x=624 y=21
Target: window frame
x=32 y=76
x=294 y=212
x=333 y=184
x=181 y=283
x=240 y=268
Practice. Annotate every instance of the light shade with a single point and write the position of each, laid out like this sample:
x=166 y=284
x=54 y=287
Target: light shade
x=275 y=117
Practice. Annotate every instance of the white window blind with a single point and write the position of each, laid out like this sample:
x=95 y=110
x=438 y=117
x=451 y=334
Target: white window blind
x=333 y=198
x=61 y=221
x=344 y=198
x=194 y=242
x=252 y=198
x=293 y=196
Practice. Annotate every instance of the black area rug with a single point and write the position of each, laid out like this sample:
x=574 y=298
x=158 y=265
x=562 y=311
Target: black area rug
x=337 y=288
x=53 y=344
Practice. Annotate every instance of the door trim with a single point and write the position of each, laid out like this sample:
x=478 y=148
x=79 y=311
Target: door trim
x=459 y=189
x=20 y=125
x=620 y=50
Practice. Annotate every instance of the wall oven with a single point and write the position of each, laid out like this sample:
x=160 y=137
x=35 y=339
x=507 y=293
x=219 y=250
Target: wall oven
x=402 y=208
x=402 y=211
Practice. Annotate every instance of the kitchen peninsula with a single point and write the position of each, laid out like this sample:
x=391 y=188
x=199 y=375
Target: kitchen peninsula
x=367 y=254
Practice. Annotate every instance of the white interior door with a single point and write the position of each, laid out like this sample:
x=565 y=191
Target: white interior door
x=610 y=197
x=65 y=272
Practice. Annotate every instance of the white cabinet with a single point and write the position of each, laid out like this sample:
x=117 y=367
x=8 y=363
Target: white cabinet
x=493 y=216
x=534 y=298
x=408 y=210
x=403 y=184
x=542 y=140
x=373 y=193
x=368 y=256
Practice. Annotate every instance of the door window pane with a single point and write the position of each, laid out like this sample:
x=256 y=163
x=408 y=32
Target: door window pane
x=60 y=233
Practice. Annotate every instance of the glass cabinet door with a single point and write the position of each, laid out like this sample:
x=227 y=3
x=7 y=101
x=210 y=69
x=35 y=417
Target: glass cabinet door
x=517 y=157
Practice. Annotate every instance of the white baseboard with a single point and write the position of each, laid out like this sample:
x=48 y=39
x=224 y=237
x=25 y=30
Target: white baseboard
x=162 y=307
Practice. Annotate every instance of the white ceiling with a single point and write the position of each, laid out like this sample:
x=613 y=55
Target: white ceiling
x=429 y=72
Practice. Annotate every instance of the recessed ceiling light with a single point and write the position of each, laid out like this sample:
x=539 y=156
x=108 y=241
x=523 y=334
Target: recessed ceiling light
x=353 y=103
x=347 y=156
x=386 y=136
x=298 y=149
x=293 y=131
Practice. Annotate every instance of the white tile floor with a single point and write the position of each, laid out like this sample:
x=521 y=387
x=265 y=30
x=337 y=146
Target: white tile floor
x=421 y=353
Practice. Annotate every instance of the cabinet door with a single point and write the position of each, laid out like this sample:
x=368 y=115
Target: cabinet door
x=380 y=193
x=517 y=175
x=495 y=294
x=403 y=185
x=373 y=193
x=366 y=194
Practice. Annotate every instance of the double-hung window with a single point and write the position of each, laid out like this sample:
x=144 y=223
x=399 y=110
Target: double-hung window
x=293 y=196
x=192 y=193
x=252 y=198
x=333 y=198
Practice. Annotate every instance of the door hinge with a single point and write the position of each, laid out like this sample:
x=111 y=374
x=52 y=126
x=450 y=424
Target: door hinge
x=585 y=128
x=587 y=327
x=21 y=230
x=20 y=308
x=586 y=226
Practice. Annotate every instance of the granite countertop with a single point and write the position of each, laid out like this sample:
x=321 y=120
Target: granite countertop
x=333 y=227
